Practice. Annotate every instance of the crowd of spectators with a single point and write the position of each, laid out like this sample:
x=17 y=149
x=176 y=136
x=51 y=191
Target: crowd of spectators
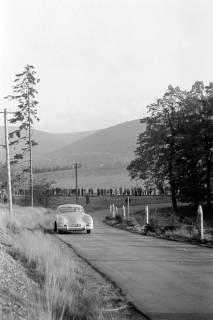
x=99 y=192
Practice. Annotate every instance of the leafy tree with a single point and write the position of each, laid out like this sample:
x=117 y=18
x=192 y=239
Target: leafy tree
x=207 y=138
x=196 y=163
x=41 y=192
x=15 y=176
x=177 y=145
x=24 y=94
x=156 y=154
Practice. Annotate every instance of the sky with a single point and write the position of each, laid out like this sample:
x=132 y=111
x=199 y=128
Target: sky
x=101 y=62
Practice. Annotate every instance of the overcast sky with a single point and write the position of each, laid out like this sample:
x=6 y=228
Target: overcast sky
x=102 y=61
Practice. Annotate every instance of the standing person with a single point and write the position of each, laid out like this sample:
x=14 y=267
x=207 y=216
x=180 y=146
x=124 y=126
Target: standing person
x=87 y=198
x=126 y=200
x=4 y=195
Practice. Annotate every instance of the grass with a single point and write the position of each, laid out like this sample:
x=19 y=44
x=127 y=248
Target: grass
x=66 y=179
x=61 y=294
x=184 y=232
x=27 y=218
x=165 y=223
x=101 y=203
x=66 y=288
x=3 y=219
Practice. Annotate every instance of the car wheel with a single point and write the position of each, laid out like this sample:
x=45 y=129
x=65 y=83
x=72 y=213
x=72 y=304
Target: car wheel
x=55 y=227
x=88 y=231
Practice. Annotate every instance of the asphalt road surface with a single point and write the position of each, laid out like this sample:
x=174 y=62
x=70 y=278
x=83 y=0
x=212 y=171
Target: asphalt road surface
x=165 y=280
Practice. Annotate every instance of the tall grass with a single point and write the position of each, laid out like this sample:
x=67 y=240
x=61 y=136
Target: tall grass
x=185 y=232
x=61 y=294
x=28 y=218
x=3 y=219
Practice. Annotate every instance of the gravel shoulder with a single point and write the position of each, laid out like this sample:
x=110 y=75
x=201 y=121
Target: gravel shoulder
x=16 y=288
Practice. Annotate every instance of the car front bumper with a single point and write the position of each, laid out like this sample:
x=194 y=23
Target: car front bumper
x=71 y=228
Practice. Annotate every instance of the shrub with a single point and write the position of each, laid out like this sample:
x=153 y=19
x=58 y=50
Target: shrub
x=173 y=220
x=184 y=232
x=41 y=193
x=147 y=228
x=108 y=217
x=153 y=221
x=131 y=222
x=188 y=220
x=118 y=218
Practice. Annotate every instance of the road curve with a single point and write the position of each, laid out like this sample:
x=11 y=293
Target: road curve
x=165 y=280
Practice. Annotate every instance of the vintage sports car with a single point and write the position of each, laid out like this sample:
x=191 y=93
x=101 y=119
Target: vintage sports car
x=72 y=217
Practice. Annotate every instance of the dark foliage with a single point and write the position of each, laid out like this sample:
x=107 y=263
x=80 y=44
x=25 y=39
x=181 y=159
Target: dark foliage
x=24 y=95
x=177 y=146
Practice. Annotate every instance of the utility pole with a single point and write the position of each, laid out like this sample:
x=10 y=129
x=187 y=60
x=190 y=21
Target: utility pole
x=30 y=148
x=8 y=163
x=31 y=162
x=76 y=166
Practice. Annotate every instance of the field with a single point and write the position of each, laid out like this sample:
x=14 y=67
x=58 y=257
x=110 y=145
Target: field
x=100 y=203
x=66 y=179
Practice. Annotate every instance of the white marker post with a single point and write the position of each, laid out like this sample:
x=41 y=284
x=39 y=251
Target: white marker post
x=200 y=213
x=113 y=210
x=110 y=209
x=116 y=211
x=147 y=214
x=124 y=212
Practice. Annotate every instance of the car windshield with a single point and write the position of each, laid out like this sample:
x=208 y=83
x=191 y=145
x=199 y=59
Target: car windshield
x=71 y=210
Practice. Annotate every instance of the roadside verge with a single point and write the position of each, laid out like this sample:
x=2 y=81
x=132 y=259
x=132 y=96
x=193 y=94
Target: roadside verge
x=57 y=284
x=181 y=234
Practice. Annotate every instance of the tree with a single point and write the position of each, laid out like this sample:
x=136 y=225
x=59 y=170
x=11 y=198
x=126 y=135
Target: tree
x=177 y=145
x=156 y=154
x=41 y=192
x=197 y=145
x=15 y=176
x=24 y=94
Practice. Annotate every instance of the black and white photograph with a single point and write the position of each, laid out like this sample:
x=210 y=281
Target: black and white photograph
x=106 y=160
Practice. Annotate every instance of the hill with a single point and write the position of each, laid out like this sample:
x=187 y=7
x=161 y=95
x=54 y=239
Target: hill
x=107 y=147
x=47 y=142
x=104 y=154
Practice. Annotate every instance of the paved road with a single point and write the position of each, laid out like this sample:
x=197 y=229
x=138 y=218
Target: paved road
x=166 y=280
